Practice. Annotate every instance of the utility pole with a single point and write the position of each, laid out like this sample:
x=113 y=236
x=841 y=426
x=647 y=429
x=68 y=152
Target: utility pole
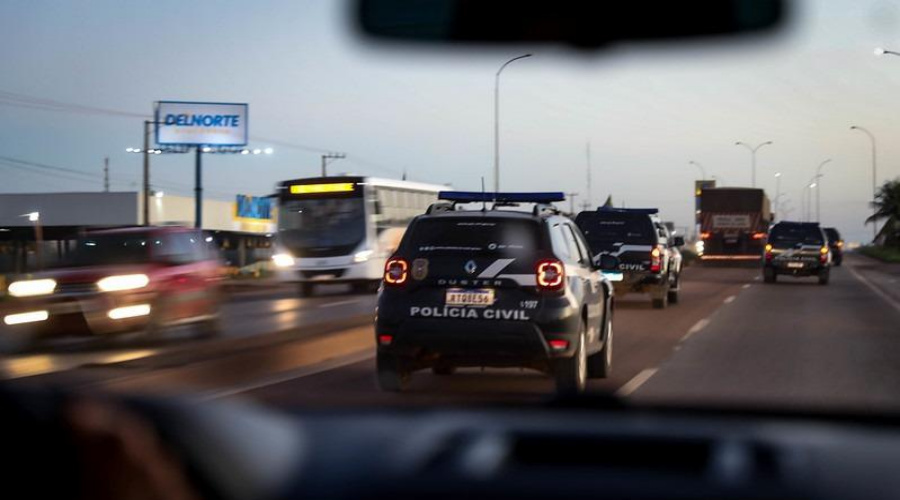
x=198 y=189
x=106 y=174
x=328 y=157
x=571 y=202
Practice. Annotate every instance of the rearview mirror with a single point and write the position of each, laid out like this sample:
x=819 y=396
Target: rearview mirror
x=608 y=262
x=574 y=22
x=678 y=241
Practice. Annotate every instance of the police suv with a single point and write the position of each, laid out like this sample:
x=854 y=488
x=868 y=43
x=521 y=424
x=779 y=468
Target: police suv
x=650 y=262
x=494 y=285
x=798 y=249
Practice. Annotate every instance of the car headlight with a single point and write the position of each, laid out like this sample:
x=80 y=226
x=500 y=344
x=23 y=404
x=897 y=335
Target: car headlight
x=123 y=282
x=362 y=256
x=31 y=288
x=283 y=260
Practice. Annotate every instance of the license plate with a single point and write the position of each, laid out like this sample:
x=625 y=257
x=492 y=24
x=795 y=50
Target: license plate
x=795 y=265
x=469 y=297
x=613 y=276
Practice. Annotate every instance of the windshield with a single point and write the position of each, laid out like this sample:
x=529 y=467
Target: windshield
x=453 y=236
x=111 y=250
x=322 y=223
x=601 y=230
x=308 y=157
x=789 y=235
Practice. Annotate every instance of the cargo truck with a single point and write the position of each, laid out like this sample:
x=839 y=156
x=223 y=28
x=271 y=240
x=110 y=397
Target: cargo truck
x=733 y=224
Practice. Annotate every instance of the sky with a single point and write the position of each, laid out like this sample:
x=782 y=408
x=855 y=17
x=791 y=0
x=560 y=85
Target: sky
x=313 y=86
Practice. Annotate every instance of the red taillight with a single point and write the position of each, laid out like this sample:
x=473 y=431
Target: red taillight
x=551 y=274
x=759 y=236
x=705 y=235
x=396 y=271
x=385 y=339
x=559 y=345
x=655 y=260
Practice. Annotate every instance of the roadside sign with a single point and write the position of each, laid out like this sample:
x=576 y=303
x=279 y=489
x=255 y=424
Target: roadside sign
x=201 y=123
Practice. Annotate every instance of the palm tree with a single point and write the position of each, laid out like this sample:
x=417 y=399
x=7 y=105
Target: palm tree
x=887 y=206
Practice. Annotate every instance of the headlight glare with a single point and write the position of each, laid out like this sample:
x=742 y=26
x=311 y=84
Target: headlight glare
x=362 y=256
x=31 y=288
x=123 y=282
x=283 y=260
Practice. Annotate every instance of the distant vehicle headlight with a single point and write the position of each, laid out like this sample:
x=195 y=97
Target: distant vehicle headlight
x=283 y=260
x=31 y=288
x=362 y=256
x=123 y=282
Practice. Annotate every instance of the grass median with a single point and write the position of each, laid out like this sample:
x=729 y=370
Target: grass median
x=884 y=254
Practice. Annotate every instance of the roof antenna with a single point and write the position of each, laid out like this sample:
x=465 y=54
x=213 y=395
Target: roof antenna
x=483 y=197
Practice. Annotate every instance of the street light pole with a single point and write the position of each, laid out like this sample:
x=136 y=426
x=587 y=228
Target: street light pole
x=146 y=152
x=874 y=172
x=497 y=120
x=753 y=151
x=819 y=189
x=327 y=158
x=702 y=170
x=777 y=191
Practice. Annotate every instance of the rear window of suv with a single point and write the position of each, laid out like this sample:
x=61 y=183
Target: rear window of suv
x=604 y=228
x=479 y=235
x=792 y=234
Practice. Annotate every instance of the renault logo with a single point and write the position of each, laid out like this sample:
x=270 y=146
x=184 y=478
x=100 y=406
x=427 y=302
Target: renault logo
x=471 y=267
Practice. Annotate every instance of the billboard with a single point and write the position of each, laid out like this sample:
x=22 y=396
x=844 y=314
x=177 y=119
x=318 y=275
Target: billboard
x=253 y=207
x=181 y=123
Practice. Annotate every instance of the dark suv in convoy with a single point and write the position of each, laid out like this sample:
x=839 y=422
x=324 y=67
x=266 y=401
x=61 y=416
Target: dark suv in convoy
x=116 y=281
x=798 y=249
x=647 y=255
x=836 y=244
x=497 y=287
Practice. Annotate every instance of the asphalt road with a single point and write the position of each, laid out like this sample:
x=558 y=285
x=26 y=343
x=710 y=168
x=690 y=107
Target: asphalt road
x=731 y=339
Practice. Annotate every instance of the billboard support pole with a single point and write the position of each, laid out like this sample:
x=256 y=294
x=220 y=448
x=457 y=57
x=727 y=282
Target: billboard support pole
x=146 y=152
x=198 y=189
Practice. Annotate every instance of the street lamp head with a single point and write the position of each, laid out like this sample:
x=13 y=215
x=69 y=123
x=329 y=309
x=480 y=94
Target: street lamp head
x=879 y=51
x=768 y=142
x=33 y=216
x=269 y=151
x=777 y=174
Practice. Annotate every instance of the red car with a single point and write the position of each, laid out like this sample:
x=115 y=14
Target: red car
x=118 y=280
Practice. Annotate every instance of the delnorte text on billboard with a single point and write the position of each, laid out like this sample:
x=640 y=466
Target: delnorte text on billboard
x=201 y=123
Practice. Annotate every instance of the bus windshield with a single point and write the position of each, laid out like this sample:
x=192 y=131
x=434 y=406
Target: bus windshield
x=318 y=223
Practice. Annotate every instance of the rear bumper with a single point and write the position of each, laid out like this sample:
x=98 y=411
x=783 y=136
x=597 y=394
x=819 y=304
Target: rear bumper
x=638 y=283
x=476 y=342
x=808 y=269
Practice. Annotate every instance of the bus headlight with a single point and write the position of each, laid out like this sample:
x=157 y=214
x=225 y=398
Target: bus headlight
x=31 y=288
x=362 y=256
x=283 y=260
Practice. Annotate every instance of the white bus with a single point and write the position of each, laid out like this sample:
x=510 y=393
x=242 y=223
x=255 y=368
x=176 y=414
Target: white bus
x=343 y=229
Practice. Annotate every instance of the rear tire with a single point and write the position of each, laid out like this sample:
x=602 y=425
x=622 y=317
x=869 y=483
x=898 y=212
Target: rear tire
x=391 y=376
x=672 y=296
x=600 y=363
x=838 y=262
x=443 y=370
x=307 y=289
x=661 y=302
x=769 y=275
x=571 y=373
x=824 y=276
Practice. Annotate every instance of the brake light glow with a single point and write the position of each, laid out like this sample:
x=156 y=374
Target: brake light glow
x=759 y=236
x=840 y=244
x=396 y=272
x=768 y=251
x=551 y=274
x=385 y=339
x=655 y=260
x=705 y=235
x=559 y=345
x=823 y=254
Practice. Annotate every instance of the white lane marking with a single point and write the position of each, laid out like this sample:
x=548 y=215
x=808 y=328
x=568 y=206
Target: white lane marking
x=305 y=371
x=635 y=383
x=887 y=298
x=696 y=328
x=746 y=286
x=495 y=268
x=730 y=299
x=340 y=303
